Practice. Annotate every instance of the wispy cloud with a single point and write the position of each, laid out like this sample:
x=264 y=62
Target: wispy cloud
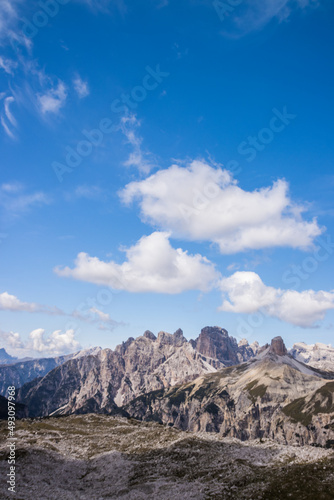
x=249 y=16
x=81 y=87
x=138 y=158
x=94 y=315
x=7 y=118
x=8 y=65
x=15 y=200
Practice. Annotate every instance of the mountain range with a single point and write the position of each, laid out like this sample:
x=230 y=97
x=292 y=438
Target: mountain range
x=210 y=384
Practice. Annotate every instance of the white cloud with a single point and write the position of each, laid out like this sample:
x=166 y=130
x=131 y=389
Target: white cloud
x=12 y=303
x=53 y=99
x=6 y=128
x=199 y=202
x=245 y=292
x=38 y=343
x=152 y=265
x=7 y=103
x=12 y=339
x=7 y=118
x=81 y=87
x=56 y=343
x=138 y=158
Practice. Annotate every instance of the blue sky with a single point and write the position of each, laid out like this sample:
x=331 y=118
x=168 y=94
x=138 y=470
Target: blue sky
x=165 y=164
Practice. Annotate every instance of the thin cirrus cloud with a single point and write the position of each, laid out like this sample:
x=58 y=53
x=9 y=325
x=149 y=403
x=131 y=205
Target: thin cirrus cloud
x=15 y=200
x=8 y=65
x=94 y=315
x=142 y=160
x=253 y=15
x=201 y=203
x=245 y=292
x=8 y=120
x=151 y=265
x=81 y=87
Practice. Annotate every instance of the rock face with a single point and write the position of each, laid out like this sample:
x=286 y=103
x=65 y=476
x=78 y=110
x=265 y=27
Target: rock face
x=278 y=347
x=318 y=355
x=214 y=342
x=271 y=396
x=110 y=379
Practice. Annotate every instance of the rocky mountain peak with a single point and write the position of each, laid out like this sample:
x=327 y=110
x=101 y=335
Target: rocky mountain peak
x=176 y=339
x=5 y=357
x=215 y=342
x=243 y=343
x=278 y=347
x=149 y=335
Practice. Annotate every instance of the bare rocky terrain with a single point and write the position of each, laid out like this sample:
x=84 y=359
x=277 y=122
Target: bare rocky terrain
x=95 y=457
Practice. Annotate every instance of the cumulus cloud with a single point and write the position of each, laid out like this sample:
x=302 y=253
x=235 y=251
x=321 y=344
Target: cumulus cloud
x=12 y=303
x=39 y=343
x=137 y=158
x=12 y=339
x=198 y=202
x=245 y=292
x=81 y=87
x=56 y=343
x=151 y=265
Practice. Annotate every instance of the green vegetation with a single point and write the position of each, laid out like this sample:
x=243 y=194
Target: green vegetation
x=294 y=411
x=178 y=394
x=256 y=391
x=321 y=402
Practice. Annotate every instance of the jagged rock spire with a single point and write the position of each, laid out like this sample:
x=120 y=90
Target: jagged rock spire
x=278 y=346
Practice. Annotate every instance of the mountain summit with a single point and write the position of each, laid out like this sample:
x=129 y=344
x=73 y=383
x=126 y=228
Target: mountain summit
x=278 y=347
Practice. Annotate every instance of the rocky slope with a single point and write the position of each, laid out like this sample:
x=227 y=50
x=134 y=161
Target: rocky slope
x=271 y=396
x=318 y=355
x=86 y=457
x=110 y=379
x=20 y=372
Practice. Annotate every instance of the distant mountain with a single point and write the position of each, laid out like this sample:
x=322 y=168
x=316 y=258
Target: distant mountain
x=6 y=358
x=270 y=396
x=106 y=381
x=19 y=372
x=318 y=355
